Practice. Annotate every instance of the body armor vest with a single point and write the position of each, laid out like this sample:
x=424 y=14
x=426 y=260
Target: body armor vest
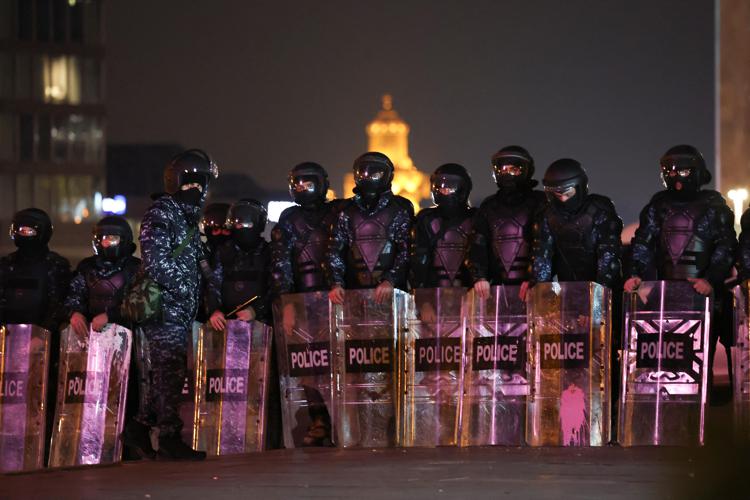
x=575 y=252
x=450 y=252
x=26 y=291
x=510 y=228
x=104 y=291
x=371 y=250
x=683 y=254
x=308 y=254
x=243 y=277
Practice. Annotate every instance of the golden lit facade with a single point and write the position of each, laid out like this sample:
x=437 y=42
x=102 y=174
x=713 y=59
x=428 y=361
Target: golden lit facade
x=389 y=134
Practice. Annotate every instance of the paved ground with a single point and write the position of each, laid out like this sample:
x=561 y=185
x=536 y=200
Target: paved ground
x=718 y=471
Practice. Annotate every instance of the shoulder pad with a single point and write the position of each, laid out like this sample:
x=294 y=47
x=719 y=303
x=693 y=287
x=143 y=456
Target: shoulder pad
x=403 y=203
x=288 y=212
x=712 y=197
x=601 y=202
x=86 y=264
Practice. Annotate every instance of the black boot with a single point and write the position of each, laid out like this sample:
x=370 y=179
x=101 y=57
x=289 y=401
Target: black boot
x=173 y=448
x=137 y=437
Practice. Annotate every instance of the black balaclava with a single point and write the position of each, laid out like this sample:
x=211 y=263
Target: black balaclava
x=450 y=185
x=683 y=171
x=247 y=219
x=308 y=184
x=373 y=174
x=562 y=175
x=113 y=239
x=512 y=160
x=31 y=230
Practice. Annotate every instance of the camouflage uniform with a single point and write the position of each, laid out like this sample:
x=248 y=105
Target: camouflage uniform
x=165 y=225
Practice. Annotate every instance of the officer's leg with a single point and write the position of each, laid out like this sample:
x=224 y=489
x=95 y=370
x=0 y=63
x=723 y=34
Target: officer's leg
x=168 y=349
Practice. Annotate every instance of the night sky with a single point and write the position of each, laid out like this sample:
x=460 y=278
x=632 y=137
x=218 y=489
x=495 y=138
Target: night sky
x=265 y=85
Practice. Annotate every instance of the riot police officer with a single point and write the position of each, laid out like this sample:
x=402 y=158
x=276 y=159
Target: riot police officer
x=299 y=239
x=99 y=281
x=369 y=243
x=440 y=235
x=33 y=279
x=500 y=248
x=241 y=274
x=241 y=267
x=577 y=234
x=172 y=253
x=298 y=244
x=687 y=233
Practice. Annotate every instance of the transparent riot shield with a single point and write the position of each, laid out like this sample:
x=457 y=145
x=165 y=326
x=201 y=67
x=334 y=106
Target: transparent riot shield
x=188 y=402
x=231 y=386
x=431 y=353
x=366 y=367
x=741 y=361
x=569 y=364
x=24 y=359
x=664 y=371
x=91 y=393
x=495 y=386
x=303 y=339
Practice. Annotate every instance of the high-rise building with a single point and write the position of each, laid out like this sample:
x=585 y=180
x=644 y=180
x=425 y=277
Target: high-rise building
x=389 y=134
x=52 y=113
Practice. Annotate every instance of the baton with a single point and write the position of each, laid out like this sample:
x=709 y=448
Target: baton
x=241 y=306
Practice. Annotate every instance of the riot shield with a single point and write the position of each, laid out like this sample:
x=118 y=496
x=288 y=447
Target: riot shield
x=303 y=339
x=496 y=385
x=366 y=367
x=231 y=375
x=741 y=361
x=569 y=364
x=664 y=373
x=431 y=353
x=188 y=403
x=24 y=359
x=91 y=394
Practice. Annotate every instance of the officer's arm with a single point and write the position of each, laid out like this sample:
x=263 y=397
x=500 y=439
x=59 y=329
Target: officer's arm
x=334 y=265
x=397 y=274
x=478 y=257
x=725 y=246
x=608 y=248
x=642 y=244
x=78 y=295
x=281 y=258
x=542 y=250
x=156 y=252
x=214 y=284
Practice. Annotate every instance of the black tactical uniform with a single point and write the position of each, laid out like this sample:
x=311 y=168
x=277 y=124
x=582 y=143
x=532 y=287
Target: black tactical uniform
x=172 y=219
x=33 y=279
x=300 y=238
x=688 y=232
x=578 y=239
x=500 y=250
x=440 y=235
x=241 y=272
x=369 y=242
x=298 y=244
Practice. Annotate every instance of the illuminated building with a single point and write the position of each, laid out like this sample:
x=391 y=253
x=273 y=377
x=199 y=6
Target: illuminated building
x=52 y=115
x=389 y=134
